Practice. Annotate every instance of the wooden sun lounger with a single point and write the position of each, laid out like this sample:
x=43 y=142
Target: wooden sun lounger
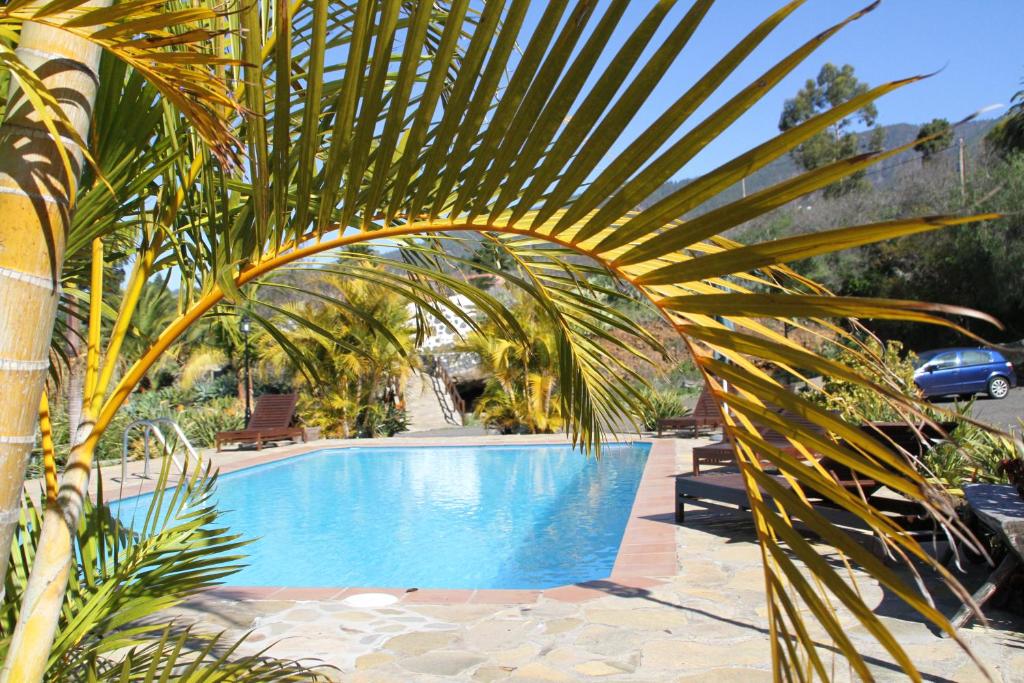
x=705 y=415
x=726 y=485
x=271 y=421
x=723 y=452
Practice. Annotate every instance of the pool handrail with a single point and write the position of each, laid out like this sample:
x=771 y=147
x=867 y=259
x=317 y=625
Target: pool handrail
x=152 y=426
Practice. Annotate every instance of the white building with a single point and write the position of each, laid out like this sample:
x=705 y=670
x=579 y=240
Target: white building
x=441 y=337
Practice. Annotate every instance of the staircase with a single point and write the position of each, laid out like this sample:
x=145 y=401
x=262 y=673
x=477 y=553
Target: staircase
x=428 y=405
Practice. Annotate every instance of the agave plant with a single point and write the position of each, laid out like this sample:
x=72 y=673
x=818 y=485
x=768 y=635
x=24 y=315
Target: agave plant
x=410 y=124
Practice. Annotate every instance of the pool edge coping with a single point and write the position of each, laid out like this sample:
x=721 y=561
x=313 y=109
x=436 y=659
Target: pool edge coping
x=646 y=557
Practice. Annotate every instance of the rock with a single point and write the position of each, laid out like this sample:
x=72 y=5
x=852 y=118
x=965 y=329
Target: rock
x=418 y=643
x=373 y=659
x=729 y=675
x=500 y=634
x=441 y=663
x=351 y=615
x=700 y=573
x=515 y=656
x=557 y=626
x=302 y=614
x=486 y=674
x=599 y=668
x=676 y=655
x=564 y=656
x=610 y=642
x=644 y=619
x=538 y=672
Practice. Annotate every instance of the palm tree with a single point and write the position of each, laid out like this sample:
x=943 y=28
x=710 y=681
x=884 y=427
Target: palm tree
x=520 y=392
x=430 y=126
x=351 y=349
x=54 y=74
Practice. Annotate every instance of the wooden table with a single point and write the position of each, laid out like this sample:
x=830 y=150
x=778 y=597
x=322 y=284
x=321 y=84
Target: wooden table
x=1001 y=509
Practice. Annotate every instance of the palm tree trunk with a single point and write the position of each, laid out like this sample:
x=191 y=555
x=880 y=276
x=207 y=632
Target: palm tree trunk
x=35 y=202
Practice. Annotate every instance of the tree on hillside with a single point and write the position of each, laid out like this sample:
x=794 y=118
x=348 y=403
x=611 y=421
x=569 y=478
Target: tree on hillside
x=1007 y=137
x=833 y=86
x=943 y=138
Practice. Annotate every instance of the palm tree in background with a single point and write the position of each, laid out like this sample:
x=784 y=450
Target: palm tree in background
x=350 y=350
x=409 y=125
x=520 y=392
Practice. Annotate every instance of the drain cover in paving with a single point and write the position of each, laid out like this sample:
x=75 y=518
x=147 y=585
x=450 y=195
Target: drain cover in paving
x=370 y=600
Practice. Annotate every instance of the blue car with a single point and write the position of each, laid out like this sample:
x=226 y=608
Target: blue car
x=965 y=372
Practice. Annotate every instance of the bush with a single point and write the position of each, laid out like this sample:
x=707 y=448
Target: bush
x=663 y=403
x=684 y=374
x=382 y=420
x=972 y=454
x=199 y=419
x=219 y=386
x=202 y=422
x=858 y=403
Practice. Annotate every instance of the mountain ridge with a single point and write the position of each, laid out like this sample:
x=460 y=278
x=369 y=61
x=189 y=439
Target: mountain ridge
x=895 y=135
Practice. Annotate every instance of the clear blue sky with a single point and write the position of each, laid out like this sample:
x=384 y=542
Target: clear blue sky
x=976 y=45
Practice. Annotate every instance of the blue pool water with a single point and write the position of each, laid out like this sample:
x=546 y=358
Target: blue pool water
x=443 y=517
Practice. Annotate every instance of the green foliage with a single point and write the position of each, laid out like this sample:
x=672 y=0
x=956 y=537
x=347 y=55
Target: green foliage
x=380 y=419
x=202 y=421
x=352 y=361
x=941 y=134
x=199 y=417
x=1007 y=137
x=125 y=577
x=884 y=364
x=488 y=258
x=663 y=403
x=520 y=394
x=975 y=266
x=972 y=454
x=684 y=375
x=833 y=86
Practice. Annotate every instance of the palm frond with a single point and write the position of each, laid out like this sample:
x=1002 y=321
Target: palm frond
x=361 y=152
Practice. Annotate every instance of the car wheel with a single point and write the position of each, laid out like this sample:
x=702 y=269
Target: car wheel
x=998 y=387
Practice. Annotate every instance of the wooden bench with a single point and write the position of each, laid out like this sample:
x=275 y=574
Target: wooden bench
x=999 y=508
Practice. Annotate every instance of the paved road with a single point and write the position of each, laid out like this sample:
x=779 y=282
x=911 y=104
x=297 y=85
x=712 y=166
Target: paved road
x=1002 y=414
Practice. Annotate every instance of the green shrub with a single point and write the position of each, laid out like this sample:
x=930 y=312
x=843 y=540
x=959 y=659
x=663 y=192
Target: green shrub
x=382 y=420
x=972 y=454
x=858 y=403
x=663 y=403
x=199 y=419
x=202 y=422
x=684 y=374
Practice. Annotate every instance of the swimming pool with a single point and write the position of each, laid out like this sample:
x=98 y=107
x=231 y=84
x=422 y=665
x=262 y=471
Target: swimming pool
x=526 y=517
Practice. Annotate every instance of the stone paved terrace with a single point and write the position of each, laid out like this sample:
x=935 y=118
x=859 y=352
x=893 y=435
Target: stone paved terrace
x=704 y=619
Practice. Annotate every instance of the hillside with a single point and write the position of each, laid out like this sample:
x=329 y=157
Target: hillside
x=897 y=134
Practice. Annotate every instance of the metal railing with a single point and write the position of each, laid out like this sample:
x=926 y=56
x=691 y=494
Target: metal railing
x=444 y=386
x=152 y=427
x=450 y=387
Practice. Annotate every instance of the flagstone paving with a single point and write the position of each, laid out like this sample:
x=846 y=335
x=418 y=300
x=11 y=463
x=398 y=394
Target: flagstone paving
x=706 y=622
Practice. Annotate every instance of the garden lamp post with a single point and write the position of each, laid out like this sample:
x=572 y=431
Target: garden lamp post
x=246 y=324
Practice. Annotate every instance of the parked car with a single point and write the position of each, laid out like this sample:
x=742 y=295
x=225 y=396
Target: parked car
x=965 y=372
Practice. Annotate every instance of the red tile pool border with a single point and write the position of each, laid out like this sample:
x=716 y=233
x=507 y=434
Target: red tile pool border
x=646 y=558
